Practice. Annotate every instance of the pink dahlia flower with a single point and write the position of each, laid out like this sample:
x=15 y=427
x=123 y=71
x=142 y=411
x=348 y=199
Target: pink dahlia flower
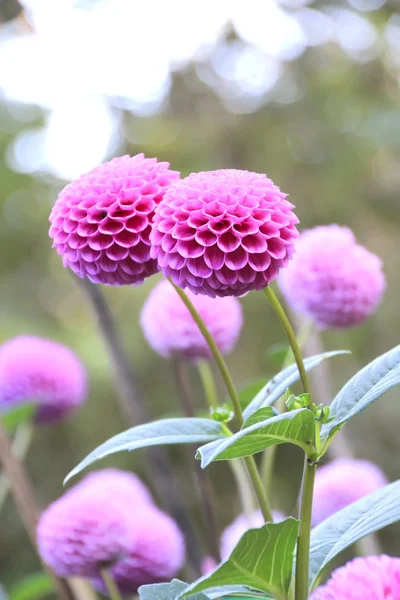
x=366 y=578
x=332 y=279
x=342 y=482
x=232 y=534
x=223 y=233
x=100 y=223
x=170 y=329
x=156 y=555
x=80 y=534
x=37 y=370
x=115 y=485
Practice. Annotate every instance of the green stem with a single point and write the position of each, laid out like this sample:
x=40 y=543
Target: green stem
x=276 y=305
x=243 y=485
x=207 y=380
x=249 y=461
x=110 y=585
x=19 y=447
x=303 y=545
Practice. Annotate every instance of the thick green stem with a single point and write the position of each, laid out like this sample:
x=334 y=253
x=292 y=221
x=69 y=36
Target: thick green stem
x=249 y=461
x=276 y=305
x=110 y=584
x=303 y=546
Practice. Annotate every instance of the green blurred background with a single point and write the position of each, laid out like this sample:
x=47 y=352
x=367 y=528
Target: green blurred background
x=320 y=115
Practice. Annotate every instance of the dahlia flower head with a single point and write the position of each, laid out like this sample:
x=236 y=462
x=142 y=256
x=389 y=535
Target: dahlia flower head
x=366 y=578
x=109 y=520
x=33 y=369
x=342 y=482
x=170 y=329
x=332 y=279
x=232 y=534
x=223 y=233
x=101 y=222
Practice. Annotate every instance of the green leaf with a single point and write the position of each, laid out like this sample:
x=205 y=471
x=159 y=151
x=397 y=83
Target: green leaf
x=341 y=530
x=276 y=387
x=365 y=387
x=23 y=413
x=249 y=391
x=261 y=431
x=38 y=585
x=261 y=561
x=167 y=591
x=166 y=431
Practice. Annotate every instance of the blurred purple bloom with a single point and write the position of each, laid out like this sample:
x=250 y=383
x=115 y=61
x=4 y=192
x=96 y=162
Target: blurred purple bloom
x=342 y=482
x=34 y=369
x=170 y=329
x=367 y=578
x=332 y=279
x=100 y=223
x=223 y=233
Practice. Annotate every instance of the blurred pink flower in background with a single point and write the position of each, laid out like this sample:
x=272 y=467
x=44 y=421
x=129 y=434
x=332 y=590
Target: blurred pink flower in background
x=366 y=578
x=170 y=329
x=341 y=482
x=101 y=222
x=34 y=369
x=223 y=233
x=332 y=279
x=108 y=520
x=232 y=534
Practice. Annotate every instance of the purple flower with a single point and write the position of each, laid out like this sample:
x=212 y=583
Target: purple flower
x=332 y=279
x=367 y=578
x=108 y=520
x=100 y=223
x=34 y=369
x=156 y=555
x=223 y=233
x=232 y=534
x=342 y=482
x=170 y=330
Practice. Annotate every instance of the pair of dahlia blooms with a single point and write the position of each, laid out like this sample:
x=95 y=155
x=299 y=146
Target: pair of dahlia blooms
x=219 y=233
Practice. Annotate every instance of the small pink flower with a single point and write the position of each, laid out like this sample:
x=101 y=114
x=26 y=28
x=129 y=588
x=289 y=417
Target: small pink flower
x=100 y=223
x=342 y=482
x=232 y=534
x=223 y=233
x=156 y=555
x=170 y=330
x=366 y=578
x=34 y=369
x=332 y=279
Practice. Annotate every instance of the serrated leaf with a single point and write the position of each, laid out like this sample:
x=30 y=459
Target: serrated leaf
x=276 y=387
x=347 y=526
x=295 y=427
x=365 y=387
x=167 y=431
x=167 y=591
x=33 y=587
x=261 y=561
x=23 y=413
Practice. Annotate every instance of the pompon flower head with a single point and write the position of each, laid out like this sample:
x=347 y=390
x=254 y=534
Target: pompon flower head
x=115 y=485
x=342 y=482
x=223 y=233
x=34 y=369
x=80 y=534
x=366 y=578
x=170 y=329
x=156 y=555
x=100 y=223
x=332 y=279
x=232 y=534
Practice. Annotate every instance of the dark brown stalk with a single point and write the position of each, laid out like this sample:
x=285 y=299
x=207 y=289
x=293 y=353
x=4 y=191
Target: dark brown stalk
x=135 y=412
x=204 y=487
x=24 y=499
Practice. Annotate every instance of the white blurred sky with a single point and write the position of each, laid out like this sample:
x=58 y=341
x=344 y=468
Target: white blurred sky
x=84 y=58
